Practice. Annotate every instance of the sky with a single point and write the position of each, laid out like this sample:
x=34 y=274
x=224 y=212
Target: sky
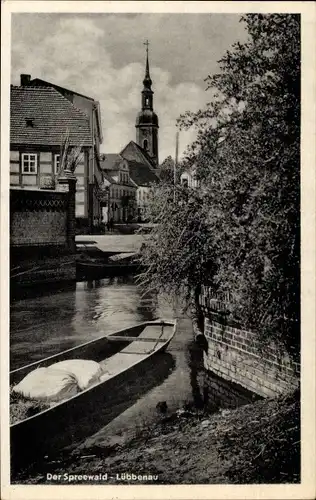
x=103 y=56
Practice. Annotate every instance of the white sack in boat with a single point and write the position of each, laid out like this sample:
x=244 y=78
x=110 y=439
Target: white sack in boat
x=47 y=384
x=85 y=371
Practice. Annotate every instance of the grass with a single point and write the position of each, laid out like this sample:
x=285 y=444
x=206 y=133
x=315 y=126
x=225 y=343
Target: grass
x=22 y=408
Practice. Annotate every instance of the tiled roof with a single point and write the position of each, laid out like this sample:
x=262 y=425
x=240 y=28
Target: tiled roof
x=134 y=152
x=141 y=174
x=69 y=94
x=143 y=152
x=38 y=82
x=51 y=115
x=108 y=161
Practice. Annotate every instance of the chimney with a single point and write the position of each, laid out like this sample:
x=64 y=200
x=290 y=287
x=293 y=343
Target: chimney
x=25 y=80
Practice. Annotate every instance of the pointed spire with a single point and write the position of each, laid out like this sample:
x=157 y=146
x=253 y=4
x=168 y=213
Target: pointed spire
x=147 y=80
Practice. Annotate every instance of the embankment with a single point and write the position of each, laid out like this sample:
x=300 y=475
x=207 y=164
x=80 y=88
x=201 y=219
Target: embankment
x=255 y=443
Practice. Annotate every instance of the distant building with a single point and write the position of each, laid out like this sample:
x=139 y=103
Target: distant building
x=120 y=198
x=141 y=157
x=40 y=114
x=143 y=175
x=188 y=178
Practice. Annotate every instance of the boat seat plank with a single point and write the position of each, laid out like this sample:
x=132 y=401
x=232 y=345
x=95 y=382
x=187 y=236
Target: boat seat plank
x=157 y=333
x=135 y=352
x=154 y=331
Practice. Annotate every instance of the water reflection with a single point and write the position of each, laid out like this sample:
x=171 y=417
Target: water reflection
x=195 y=364
x=43 y=325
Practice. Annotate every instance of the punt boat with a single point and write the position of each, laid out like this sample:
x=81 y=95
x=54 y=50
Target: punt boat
x=122 y=355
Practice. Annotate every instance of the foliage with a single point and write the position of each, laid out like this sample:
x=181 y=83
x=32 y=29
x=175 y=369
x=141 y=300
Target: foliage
x=70 y=157
x=166 y=170
x=177 y=253
x=241 y=232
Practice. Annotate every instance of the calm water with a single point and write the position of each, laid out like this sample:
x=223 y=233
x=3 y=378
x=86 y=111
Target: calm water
x=47 y=324
x=44 y=325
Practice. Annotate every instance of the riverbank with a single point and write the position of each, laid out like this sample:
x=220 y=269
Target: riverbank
x=38 y=271
x=255 y=443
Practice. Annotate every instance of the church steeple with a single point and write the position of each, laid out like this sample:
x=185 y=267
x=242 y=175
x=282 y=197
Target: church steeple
x=147 y=80
x=147 y=120
x=147 y=93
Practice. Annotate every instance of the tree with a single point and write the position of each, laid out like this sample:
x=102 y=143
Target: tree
x=241 y=232
x=166 y=170
x=70 y=157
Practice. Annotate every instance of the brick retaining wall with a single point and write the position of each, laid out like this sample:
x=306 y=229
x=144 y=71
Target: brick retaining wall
x=225 y=394
x=235 y=355
x=38 y=218
x=42 y=235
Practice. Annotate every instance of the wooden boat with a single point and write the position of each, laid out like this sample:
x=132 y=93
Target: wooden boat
x=122 y=355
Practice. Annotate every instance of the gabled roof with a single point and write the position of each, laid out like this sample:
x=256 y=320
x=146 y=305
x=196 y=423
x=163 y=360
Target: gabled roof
x=134 y=152
x=141 y=174
x=110 y=160
x=38 y=82
x=49 y=114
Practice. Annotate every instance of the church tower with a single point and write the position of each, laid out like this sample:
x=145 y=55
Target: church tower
x=147 y=120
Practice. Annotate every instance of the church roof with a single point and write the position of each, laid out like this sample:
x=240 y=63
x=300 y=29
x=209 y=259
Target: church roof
x=141 y=169
x=41 y=116
x=134 y=152
x=141 y=174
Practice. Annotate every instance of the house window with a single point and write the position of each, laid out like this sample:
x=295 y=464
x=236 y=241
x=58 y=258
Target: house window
x=29 y=163
x=29 y=122
x=145 y=144
x=56 y=163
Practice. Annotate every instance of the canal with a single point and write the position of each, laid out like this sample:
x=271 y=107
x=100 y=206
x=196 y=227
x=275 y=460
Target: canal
x=45 y=324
